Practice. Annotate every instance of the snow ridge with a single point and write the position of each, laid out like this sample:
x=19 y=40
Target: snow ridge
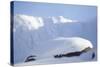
x=34 y=23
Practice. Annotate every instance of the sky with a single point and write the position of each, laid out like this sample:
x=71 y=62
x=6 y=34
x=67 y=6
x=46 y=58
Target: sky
x=75 y=12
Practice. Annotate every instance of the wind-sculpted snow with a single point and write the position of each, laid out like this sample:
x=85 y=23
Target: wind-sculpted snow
x=45 y=37
x=29 y=22
x=59 y=49
x=46 y=25
x=32 y=22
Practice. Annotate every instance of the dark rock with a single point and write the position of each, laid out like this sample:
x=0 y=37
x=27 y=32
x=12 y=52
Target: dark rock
x=30 y=58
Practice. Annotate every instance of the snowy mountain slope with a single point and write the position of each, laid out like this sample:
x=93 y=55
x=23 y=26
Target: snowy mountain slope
x=40 y=36
x=48 y=27
x=51 y=61
x=84 y=57
x=61 y=46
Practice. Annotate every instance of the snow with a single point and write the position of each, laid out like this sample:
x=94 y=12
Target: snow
x=45 y=37
x=50 y=60
x=65 y=20
x=38 y=21
x=27 y=21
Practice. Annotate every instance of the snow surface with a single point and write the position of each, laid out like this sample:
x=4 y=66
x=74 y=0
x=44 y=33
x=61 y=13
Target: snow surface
x=48 y=36
x=84 y=57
